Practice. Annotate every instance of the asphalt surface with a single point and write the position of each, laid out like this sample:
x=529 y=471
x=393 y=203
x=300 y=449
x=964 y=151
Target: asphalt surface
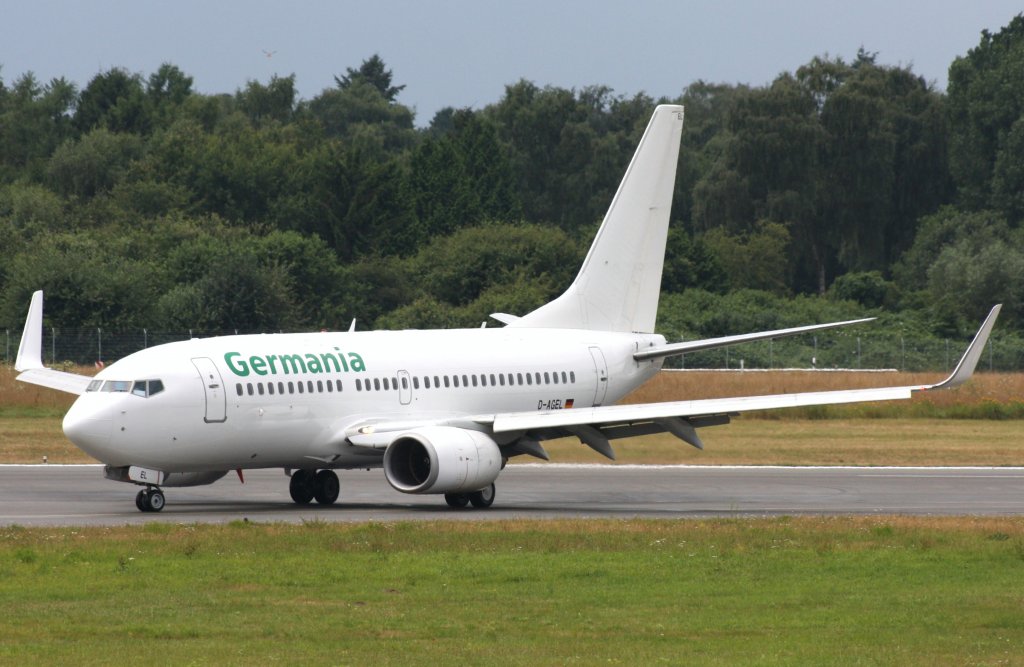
x=79 y=495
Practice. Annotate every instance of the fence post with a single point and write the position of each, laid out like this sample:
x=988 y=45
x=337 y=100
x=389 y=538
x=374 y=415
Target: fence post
x=858 y=352
x=53 y=345
x=903 y=354
x=99 y=345
x=145 y=339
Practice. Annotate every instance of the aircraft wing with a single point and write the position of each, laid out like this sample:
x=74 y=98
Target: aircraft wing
x=596 y=426
x=30 y=356
x=70 y=383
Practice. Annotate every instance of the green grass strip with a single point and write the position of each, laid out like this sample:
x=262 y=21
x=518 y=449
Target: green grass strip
x=840 y=591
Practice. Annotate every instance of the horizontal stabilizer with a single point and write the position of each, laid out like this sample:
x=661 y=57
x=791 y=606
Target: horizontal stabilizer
x=725 y=341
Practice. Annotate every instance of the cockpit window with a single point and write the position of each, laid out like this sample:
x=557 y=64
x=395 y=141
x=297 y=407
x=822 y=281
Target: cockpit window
x=147 y=387
x=94 y=385
x=116 y=386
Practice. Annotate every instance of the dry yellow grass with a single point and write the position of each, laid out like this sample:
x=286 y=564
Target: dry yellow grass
x=683 y=385
x=30 y=429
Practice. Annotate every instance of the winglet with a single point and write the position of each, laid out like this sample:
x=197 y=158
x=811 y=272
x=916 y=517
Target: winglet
x=965 y=368
x=30 y=352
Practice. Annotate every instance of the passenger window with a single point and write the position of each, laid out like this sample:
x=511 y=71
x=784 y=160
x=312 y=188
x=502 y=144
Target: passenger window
x=465 y=381
x=280 y=388
x=386 y=387
x=300 y=387
x=309 y=386
x=426 y=382
x=446 y=384
x=338 y=384
x=405 y=383
x=248 y=388
x=376 y=384
x=415 y=382
x=394 y=383
x=501 y=379
x=330 y=386
x=554 y=376
x=291 y=388
x=455 y=380
x=270 y=388
x=519 y=377
x=259 y=388
x=565 y=380
x=320 y=386
x=359 y=384
x=547 y=378
x=492 y=380
x=572 y=376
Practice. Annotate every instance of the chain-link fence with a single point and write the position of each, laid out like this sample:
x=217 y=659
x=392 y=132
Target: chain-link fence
x=831 y=349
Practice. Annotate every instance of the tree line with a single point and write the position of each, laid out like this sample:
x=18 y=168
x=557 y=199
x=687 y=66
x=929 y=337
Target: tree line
x=839 y=189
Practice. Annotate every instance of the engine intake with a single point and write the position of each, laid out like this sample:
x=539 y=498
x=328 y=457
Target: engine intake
x=441 y=459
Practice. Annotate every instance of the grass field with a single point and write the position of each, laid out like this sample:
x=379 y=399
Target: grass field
x=837 y=591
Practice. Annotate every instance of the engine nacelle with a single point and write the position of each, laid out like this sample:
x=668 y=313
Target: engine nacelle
x=441 y=459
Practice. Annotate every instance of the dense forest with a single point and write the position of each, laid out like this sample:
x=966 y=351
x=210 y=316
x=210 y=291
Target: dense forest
x=838 y=190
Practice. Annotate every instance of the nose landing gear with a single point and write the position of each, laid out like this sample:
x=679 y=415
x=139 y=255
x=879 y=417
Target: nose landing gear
x=150 y=499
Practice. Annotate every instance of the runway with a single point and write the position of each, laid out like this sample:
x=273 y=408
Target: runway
x=43 y=495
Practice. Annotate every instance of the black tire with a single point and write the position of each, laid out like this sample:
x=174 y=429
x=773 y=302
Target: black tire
x=456 y=500
x=142 y=501
x=302 y=486
x=483 y=498
x=156 y=500
x=326 y=487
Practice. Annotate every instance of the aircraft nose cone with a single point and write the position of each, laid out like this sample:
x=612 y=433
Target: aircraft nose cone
x=89 y=432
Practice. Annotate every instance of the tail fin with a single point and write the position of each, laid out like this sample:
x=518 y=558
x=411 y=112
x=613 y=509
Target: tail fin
x=618 y=287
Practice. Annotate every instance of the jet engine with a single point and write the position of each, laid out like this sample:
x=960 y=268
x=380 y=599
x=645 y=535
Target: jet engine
x=441 y=459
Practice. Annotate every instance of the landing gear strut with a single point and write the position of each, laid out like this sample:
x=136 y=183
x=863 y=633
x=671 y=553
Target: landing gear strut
x=307 y=485
x=150 y=499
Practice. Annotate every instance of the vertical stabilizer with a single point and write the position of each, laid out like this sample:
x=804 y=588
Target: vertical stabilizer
x=618 y=286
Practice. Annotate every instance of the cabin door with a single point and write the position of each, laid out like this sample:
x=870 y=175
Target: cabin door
x=213 y=389
x=404 y=388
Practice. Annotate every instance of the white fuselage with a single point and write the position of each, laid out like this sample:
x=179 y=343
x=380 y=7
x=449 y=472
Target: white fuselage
x=287 y=400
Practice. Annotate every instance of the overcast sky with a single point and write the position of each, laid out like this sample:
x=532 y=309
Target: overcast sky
x=462 y=53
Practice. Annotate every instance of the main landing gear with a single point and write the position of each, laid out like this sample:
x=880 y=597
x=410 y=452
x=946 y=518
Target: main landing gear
x=307 y=485
x=481 y=499
x=150 y=499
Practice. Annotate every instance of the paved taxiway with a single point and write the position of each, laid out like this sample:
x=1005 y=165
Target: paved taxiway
x=79 y=495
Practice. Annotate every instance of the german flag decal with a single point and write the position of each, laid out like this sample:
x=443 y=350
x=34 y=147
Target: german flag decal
x=568 y=403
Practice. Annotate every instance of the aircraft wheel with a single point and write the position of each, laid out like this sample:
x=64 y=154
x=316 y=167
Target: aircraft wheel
x=141 y=501
x=156 y=500
x=456 y=500
x=302 y=486
x=326 y=487
x=483 y=498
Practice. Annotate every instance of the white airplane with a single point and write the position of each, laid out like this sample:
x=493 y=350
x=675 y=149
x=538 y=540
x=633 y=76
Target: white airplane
x=440 y=411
